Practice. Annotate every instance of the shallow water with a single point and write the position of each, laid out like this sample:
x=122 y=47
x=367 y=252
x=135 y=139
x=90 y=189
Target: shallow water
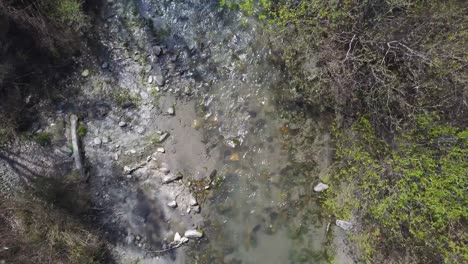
x=263 y=209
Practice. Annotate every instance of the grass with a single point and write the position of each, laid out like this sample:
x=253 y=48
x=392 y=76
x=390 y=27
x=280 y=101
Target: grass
x=43 y=138
x=82 y=131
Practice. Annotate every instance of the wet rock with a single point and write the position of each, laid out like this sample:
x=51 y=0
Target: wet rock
x=85 y=73
x=122 y=124
x=97 y=141
x=171 y=111
x=171 y=177
x=320 y=187
x=160 y=150
x=345 y=225
x=193 y=201
x=172 y=204
x=193 y=233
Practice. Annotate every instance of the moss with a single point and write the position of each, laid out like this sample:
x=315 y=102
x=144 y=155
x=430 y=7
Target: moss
x=82 y=131
x=410 y=196
x=43 y=138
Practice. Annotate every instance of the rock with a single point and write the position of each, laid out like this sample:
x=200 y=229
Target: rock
x=122 y=124
x=97 y=141
x=127 y=169
x=320 y=187
x=150 y=79
x=159 y=78
x=193 y=233
x=163 y=137
x=105 y=65
x=140 y=130
x=177 y=237
x=160 y=150
x=345 y=225
x=105 y=140
x=171 y=111
x=193 y=201
x=197 y=209
x=116 y=156
x=132 y=151
x=85 y=73
x=184 y=240
x=171 y=177
x=234 y=157
x=157 y=50
x=164 y=170
x=172 y=204
x=148 y=68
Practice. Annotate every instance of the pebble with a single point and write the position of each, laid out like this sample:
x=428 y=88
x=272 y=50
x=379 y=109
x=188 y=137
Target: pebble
x=163 y=137
x=177 y=237
x=171 y=111
x=157 y=50
x=148 y=68
x=140 y=130
x=133 y=151
x=122 y=124
x=160 y=150
x=320 y=187
x=193 y=233
x=345 y=225
x=172 y=204
x=150 y=79
x=164 y=170
x=116 y=156
x=97 y=141
x=171 y=177
x=105 y=140
x=105 y=65
x=193 y=200
x=85 y=73
x=127 y=169
x=184 y=240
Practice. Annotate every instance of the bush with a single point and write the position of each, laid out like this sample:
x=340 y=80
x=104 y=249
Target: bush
x=43 y=138
x=410 y=197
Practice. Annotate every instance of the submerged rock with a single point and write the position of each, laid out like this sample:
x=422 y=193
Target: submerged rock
x=320 y=187
x=193 y=233
x=345 y=225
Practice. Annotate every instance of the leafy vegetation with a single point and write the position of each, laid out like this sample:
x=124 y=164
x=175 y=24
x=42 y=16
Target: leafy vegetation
x=82 y=130
x=43 y=138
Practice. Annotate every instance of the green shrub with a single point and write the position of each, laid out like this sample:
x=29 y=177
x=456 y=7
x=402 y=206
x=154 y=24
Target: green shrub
x=82 y=130
x=43 y=138
x=410 y=197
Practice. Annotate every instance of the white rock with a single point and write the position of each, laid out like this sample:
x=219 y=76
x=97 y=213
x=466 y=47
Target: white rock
x=184 y=240
x=163 y=137
x=127 y=169
x=171 y=110
x=105 y=140
x=85 y=73
x=97 y=141
x=193 y=233
x=122 y=124
x=160 y=150
x=116 y=156
x=150 y=79
x=193 y=200
x=320 y=187
x=133 y=151
x=345 y=225
x=177 y=237
x=140 y=130
x=172 y=204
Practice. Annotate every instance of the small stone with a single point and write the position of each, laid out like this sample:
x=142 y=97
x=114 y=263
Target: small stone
x=129 y=176
x=171 y=177
x=184 y=240
x=140 y=130
x=157 y=50
x=193 y=200
x=177 y=237
x=159 y=132
x=105 y=140
x=171 y=111
x=172 y=204
x=85 y=73
x=160 y=150
x=189 y=210
x=97 y=141
x=197 y=209
x=105 y=65
x=148 y=68
x=122 y=124
x=163 y=137
x=159 y=79
x=150 y=79
x=116 y=156
x=345 y=225
x=234 y=157
x=127 y=169
x=193 y=233
x=320 y=187
x=164 y=170
x=132 y=151
x=207 y=187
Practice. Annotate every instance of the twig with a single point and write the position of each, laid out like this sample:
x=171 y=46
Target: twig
x=349 y=49
x=167 y=249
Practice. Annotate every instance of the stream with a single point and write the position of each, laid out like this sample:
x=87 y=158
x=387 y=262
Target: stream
x=260 y=206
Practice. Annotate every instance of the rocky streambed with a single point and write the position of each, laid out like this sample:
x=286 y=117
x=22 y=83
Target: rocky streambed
x=191 y=159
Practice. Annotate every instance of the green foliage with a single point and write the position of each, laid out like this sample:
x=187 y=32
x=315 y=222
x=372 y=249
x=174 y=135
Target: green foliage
x=82 y=130
x=411 y=196
x=43 y=138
